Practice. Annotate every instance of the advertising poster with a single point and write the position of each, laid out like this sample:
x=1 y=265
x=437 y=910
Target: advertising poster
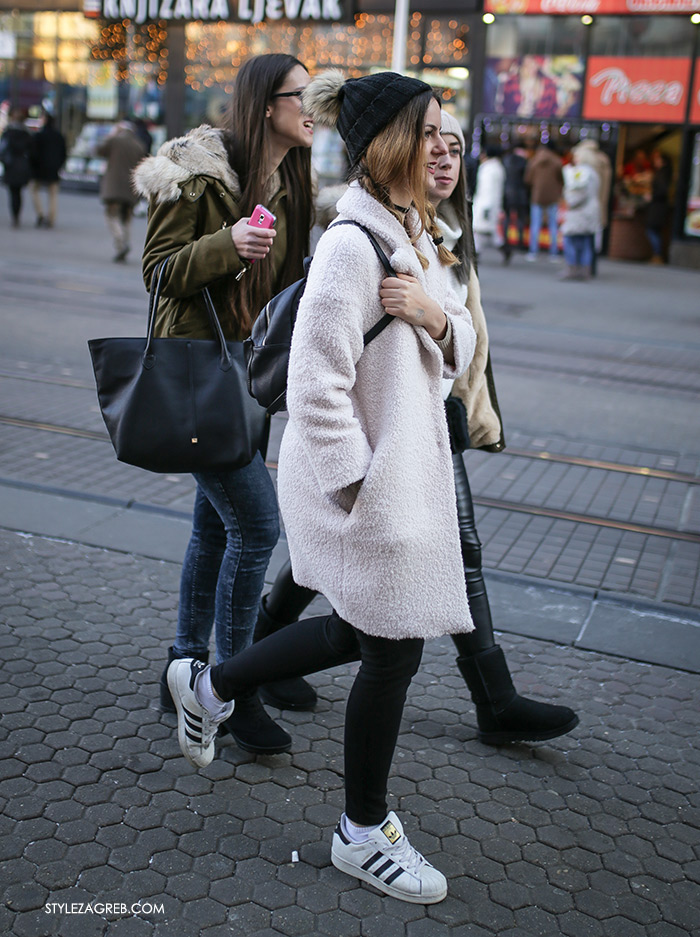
x=547 y=86
x=691 y=225
x=639 y=90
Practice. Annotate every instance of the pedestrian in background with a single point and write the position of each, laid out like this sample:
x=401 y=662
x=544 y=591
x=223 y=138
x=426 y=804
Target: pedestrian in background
x=15 y=151
x=588 y=152
x=516 y=197
x=123 y=151
x=487 y=205
x=48 y=154
x=544 y=176
x=581 y=218
x=202 y=189
x=659 y=204
x=367 y=522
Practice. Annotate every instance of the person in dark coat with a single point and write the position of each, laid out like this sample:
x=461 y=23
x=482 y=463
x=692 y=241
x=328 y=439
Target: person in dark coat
x=14 y=155
x=658 y=210
x=48 y=154
x=516 y=195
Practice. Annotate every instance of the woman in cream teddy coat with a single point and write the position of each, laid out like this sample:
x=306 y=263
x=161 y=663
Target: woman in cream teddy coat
x=391 y=564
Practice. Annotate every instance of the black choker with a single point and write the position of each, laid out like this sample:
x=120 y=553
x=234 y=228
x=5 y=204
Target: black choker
x=438 y=241
x=401 y=209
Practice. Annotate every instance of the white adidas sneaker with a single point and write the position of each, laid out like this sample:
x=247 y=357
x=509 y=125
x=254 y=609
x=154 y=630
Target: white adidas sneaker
x=389 y=862
x=196 y=727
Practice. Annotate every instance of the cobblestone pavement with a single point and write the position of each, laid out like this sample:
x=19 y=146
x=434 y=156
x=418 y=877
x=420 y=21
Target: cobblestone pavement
x=596 y=834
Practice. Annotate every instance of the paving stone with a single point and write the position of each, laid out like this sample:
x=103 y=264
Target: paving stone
x=533 y=839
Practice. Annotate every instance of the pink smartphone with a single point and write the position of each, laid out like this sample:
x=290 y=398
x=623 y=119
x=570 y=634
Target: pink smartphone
x=262 y=218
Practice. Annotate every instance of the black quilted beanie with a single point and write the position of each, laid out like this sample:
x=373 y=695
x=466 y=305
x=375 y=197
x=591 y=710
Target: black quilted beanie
x=359 y=107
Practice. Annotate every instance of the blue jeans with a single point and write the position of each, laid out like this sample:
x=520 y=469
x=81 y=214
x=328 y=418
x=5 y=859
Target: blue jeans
x=656 y=241
x=234 y=531
x=536 y=215
x=578 y=250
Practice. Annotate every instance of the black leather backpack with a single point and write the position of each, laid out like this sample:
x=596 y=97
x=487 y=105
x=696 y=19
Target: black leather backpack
x=267 y=349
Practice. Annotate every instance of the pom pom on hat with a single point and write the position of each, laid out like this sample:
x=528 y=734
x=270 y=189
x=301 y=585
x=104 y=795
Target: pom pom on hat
x=323 y=97
x=359 y=108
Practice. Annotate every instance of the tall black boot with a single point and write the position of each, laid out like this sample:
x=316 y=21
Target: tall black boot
x=253 y=729
x=294 y=693
x=502 y=715
x=166 y=700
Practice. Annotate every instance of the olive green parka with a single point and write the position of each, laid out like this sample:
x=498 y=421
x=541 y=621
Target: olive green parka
x=193 y=196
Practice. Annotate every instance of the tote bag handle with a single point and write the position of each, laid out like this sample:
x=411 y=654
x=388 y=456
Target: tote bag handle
x=149 y=357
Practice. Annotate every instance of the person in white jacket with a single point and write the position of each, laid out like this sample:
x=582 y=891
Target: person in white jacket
x=488 y=199
x=365 y=482
x=581 y=217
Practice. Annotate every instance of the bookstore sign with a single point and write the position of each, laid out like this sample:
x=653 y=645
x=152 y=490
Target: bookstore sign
x=216 y=11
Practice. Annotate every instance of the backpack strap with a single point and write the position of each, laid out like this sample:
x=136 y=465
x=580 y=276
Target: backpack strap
x=388 y=269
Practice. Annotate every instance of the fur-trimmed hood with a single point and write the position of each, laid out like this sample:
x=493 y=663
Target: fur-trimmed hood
x=201 y=152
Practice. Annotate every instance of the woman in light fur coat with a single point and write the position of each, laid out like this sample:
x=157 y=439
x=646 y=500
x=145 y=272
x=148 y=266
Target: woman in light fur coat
x=502 y=714
x=365 y=485
x=201 y=190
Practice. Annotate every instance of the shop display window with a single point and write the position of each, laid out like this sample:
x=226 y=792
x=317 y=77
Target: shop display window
x=517 y=36
x=641 y=36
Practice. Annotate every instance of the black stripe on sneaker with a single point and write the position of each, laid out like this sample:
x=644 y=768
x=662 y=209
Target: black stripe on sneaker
x=339 y=831
x=193 y=722
x=384 y=868
x=394 y=875
x=195 y=738
x=370 y=862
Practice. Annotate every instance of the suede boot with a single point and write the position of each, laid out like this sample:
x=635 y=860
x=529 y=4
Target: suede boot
x=253 y=730
x=295 y=694
x=166 y=700
x=502 y=715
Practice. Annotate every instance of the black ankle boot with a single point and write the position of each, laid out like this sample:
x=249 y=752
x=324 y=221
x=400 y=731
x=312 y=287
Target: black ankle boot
x=294 y=693
x=253 y=730
x=502 y=715
x=166 y=700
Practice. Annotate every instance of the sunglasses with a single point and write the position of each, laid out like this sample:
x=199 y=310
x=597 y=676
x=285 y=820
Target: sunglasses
x=288 y=94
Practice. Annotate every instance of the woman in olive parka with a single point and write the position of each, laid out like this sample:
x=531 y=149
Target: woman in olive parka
x=201 y=190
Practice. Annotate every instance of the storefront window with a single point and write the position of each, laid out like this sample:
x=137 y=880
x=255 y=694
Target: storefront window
x=515 y=36
x=649 y=36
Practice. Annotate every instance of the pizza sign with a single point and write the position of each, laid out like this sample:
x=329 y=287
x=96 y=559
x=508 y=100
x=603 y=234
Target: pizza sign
x=644 y=90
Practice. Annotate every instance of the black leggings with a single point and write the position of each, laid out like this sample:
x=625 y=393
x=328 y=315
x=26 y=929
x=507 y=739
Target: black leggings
x=375 y=704
x=287 y=600
x=15 y=201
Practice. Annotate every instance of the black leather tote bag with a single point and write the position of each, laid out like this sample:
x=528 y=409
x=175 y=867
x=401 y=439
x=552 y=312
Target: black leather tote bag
x=177 y=404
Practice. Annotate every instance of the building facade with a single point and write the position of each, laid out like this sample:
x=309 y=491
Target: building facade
x=626 y=72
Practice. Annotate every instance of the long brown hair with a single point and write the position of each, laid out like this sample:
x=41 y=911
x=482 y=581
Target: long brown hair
x=396 y=157
x=245 y=138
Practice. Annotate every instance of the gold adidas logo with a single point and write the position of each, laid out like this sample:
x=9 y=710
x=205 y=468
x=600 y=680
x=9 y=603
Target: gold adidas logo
x=390 y=831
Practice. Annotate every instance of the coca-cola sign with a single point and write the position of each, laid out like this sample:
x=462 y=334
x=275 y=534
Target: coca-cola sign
x=636 y=89
x=576 y=7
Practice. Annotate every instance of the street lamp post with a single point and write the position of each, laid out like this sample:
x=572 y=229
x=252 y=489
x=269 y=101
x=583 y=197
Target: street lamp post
x=398 y=54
